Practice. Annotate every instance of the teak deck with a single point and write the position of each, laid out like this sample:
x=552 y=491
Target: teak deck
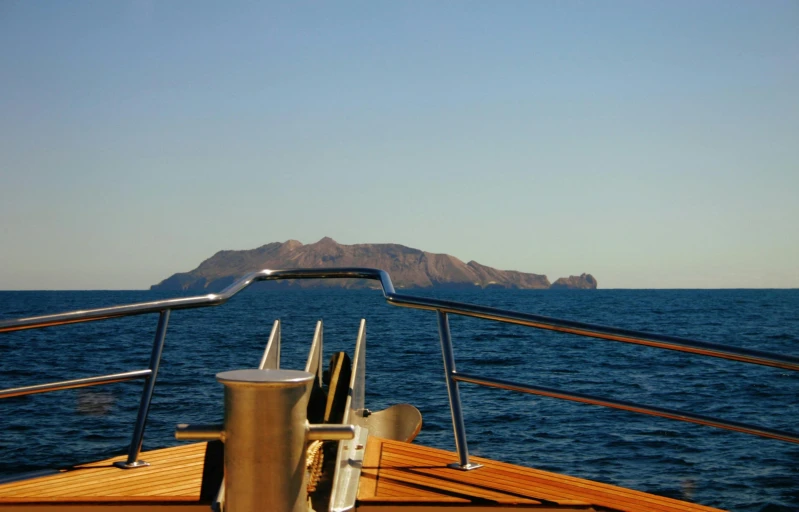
x=396 y=475
x=172 y=482
x=409 y=477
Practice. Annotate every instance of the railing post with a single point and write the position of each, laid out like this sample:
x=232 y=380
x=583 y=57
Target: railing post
x=454 y=396
x=146 y=395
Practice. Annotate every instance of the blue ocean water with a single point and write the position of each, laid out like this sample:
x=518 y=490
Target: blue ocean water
x=684 y=461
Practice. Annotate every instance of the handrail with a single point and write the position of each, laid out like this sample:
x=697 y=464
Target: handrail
x=149 y=375
x=75 y=383
x=662 y=412
x=200 y=301
x=410 y=301
x=442 y=308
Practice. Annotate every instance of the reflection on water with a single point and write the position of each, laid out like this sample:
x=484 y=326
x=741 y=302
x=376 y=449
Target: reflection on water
x=688 y=485
x=92 y=402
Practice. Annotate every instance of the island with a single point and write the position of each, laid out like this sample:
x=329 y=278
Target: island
x=408 y=267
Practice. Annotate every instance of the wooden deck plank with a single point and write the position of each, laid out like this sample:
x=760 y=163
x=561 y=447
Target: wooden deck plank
x=556 y=494
x=110 y=480
x=174 y=477
x=553 y=484
x=111 y=499
x=543 y=490
x=422 y=481
x=151 y=456
x=104 y=484
x=154 y=487
x=494 y=480
x=400 y=488
x=395 y=475
x=382 y=506
x=185 y=489
x=87 y=472
x=437 y=467
x=403 y=473
x=369 y=468
x=140 y=506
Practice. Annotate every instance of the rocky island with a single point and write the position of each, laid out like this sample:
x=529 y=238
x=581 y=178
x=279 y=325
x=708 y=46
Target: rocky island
x=408 y=267
x=581 y=282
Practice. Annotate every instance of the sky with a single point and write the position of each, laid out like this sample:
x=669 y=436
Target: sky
x=651 y=144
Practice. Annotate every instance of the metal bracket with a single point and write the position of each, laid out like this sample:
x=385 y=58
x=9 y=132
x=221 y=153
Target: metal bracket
x=468 y=467
x=131 y=465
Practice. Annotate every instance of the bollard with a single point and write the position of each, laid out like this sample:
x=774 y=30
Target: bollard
x=265 y=418
x=265 y=432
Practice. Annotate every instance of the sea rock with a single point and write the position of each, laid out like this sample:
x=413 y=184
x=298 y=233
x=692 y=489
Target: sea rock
x=581 y=282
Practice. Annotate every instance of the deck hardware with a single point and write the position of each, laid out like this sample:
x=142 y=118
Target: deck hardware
x=349 y=459
x=265 y=419
x=271 y=358
x=131 y=465
x=330 y=432
x=265 y=433
x=186 y=432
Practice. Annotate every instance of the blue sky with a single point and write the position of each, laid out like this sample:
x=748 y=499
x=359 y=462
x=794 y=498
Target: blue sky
x=654 y=145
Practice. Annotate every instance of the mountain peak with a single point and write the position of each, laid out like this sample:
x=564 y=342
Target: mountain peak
x=326 y=241
x=292 y=244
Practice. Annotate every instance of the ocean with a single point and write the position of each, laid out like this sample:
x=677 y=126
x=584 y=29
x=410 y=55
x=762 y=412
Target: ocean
x=690 y=462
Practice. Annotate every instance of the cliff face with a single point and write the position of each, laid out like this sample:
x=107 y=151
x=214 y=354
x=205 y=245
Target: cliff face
x=408 y=267
x=581 y=282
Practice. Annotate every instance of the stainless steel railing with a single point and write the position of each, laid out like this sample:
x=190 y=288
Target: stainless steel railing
x=149 y=375
x=442 y=308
